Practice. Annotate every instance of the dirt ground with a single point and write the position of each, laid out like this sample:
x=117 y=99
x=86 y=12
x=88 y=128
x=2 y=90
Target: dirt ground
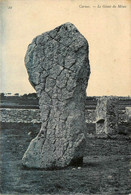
x=106 y=169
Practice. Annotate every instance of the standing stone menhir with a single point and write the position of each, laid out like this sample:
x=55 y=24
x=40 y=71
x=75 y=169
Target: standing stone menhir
x=58 y=67
x=107 y=116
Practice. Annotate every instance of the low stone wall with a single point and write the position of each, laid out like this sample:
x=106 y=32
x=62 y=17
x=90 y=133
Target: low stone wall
x=33 y=116
x=10 y=115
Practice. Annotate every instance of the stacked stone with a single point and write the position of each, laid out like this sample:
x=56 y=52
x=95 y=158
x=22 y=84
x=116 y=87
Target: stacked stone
x=58 y=67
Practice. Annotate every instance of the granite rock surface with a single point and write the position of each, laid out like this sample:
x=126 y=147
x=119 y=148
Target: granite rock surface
x=58 y=68
x=107 y=115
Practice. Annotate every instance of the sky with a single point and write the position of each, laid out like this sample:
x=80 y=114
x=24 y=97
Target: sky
x=108 y=31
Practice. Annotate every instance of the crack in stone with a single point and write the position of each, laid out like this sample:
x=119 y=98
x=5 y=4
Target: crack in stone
x=60 y=79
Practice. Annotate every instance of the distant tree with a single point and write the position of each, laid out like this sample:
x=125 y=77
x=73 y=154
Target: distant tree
x=16 y=94
x=25 y=96
x=32 y=95
x=8 y=94
x=2 y=95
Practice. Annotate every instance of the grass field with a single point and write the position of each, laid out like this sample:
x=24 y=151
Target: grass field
x=106 y=168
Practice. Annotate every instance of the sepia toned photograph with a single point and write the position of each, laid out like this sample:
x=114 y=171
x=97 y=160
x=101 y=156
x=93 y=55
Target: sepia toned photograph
x=65 y=97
